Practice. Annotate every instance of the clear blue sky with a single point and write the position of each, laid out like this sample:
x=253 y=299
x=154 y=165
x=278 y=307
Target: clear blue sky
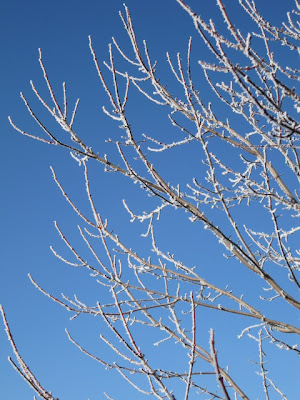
x=30 y=202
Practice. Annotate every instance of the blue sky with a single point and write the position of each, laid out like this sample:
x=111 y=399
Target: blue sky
x=30 y=201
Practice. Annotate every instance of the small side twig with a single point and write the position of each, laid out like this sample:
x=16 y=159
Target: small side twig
x=24 y=370
x=216 y=365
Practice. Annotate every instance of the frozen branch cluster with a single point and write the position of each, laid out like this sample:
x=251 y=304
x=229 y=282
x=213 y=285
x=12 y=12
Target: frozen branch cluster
x=255 y=89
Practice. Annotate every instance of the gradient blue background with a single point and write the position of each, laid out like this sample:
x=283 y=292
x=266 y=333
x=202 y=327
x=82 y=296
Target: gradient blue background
x=30 y=202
